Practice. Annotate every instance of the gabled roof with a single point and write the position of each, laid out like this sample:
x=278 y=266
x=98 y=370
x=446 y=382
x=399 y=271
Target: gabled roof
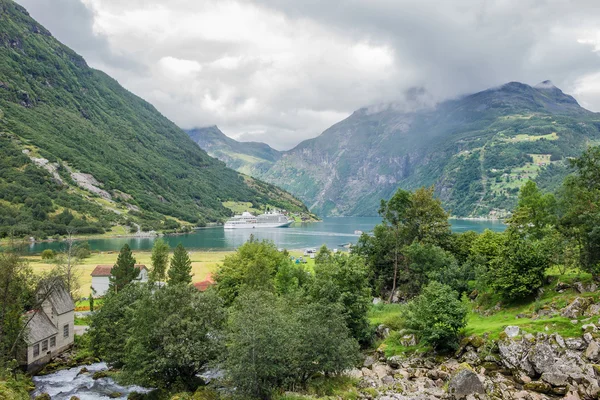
x=104 y=270
x=61 y=300
x=205 y=284
x=40 y=327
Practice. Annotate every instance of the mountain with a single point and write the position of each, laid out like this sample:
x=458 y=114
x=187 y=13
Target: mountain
x=78 y=150
x=477 y=150
x=251 y=158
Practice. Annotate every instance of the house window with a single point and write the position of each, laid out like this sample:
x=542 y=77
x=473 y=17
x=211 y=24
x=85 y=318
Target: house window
x=36 y=349
x=45 y=345
x=53 y=341
x=66 y=330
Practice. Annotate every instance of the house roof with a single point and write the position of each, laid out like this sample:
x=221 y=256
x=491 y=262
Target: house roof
x=40 y=327
x=205 y=284
x=61 y=300
x=104 y=270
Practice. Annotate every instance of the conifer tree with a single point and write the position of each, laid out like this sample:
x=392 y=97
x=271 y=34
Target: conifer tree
x=181 y=267
x=160 y=261
x=124 y=271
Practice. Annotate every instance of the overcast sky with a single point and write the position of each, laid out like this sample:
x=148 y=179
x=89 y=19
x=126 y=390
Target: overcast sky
x=281 y=71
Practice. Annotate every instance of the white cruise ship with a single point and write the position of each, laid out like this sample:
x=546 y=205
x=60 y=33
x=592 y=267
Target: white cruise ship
x=270 y=219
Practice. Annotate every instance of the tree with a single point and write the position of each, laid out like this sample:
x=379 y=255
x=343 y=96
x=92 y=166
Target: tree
x=280 y=343
x=180 y=271
x=259 y=345
x=124 y=271
x=427 y=221
x=111 y=325
x=252 y=267
x=519 y=269
x=16 y=296
x=160 y=261
x=48 y=254
x=436 y=316
x=175 y=333
x=429 y=262
x=343 y=280
x=394 y=213
x=67 y=266
x=535 y=214
x=92 y=301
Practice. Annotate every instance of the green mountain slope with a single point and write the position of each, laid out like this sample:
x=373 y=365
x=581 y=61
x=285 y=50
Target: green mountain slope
x=478 y=150
x=251 y=158
x=79 y=150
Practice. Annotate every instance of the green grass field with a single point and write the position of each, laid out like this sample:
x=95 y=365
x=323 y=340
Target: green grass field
x=204 y=263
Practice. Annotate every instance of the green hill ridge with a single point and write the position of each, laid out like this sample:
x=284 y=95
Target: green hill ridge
x=78 y=150
x=477 y=150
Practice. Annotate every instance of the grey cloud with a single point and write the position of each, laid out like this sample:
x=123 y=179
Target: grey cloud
x=444 y=48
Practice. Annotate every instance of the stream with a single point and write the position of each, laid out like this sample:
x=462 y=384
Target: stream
x=63 y=384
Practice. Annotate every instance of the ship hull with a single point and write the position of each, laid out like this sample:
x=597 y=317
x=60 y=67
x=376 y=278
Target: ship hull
x=257 y=225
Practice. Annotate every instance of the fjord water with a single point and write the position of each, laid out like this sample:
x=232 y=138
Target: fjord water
x=333 y=232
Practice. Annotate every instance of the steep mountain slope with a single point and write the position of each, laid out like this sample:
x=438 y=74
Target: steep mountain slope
x=478 y=150
x=79 y=150
x=251 y=158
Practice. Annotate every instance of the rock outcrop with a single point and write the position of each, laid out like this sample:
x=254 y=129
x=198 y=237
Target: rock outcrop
x=525 y=366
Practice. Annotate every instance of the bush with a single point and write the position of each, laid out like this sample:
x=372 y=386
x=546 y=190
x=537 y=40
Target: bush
x=436 y=316
x=519 y=270
x=48 y=254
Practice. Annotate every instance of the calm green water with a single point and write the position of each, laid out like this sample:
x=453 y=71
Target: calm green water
x=333 y=232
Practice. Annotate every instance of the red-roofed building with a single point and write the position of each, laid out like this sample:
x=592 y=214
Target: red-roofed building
x=101 y=275
x=205 y=284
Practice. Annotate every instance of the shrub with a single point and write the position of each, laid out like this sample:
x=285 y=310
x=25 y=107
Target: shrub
x=436 y=316
x=48 y=254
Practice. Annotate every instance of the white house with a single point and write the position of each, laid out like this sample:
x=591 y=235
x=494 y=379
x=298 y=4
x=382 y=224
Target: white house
x=50 y=328
x=101 y=275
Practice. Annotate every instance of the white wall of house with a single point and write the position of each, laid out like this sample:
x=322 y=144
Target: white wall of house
x=143 y=276
x=63 y=341
x=100 y=285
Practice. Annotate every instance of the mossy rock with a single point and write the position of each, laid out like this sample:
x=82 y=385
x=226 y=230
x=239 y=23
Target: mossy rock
x=539 y=387
x=74 y=398
x=477 y=341
x=99 y=375
x=43 y=396
x=204 y=393
x=115 y=395
x=135 y=396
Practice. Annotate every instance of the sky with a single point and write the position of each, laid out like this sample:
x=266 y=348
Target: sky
x=282 y=71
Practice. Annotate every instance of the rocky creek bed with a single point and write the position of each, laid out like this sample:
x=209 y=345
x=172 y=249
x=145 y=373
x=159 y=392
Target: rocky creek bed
x=86 y=383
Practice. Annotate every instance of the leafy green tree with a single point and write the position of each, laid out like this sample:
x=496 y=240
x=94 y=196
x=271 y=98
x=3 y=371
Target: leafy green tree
x=180 y=271
x=579 y=209
x=277 y=343
x=259 y=345
x=436 y=316
x=485 y=248
x=252 y=267
x=124 y=271
x=324 y=344
x=17 y=289
x=343 y=279
x=111 y=325
x=535 y=214
x=175 y=333
x=429 y=262
x=407 y=218
x=160 y=261
x=519 y=270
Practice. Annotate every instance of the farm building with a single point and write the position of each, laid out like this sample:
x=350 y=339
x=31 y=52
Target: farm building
x=101 y=275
